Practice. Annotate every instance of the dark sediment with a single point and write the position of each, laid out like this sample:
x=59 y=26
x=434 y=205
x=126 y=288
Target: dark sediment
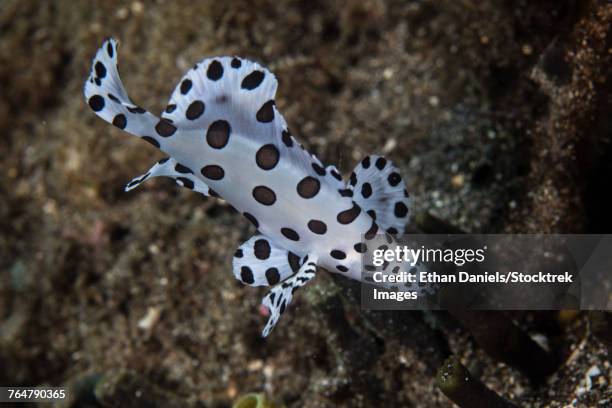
x=497 y=113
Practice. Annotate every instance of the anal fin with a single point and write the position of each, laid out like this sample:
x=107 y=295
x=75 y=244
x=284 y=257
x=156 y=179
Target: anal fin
x=280 y=296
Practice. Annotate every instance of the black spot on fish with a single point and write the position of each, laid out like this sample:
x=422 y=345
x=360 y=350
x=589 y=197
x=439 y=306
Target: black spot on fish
x=253 y=80
x=96 y=103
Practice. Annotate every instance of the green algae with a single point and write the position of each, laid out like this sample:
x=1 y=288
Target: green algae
x=254 y=401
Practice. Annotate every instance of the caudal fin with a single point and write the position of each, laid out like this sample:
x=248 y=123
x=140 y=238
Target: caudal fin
x=106 y=96
x=379 y=189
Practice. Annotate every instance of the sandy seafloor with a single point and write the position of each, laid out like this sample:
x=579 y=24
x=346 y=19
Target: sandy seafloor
x=497 y=113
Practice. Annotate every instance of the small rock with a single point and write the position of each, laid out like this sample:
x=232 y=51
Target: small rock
x=137 y=7
x=458 y=180
x=232 y=391
x=150 y=319
x=122 y=13
x=389 y=146
x=255 y=365
x=594 y=371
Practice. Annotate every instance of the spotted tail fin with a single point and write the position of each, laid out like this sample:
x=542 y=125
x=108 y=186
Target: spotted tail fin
x=106 y=96
x=379 y=190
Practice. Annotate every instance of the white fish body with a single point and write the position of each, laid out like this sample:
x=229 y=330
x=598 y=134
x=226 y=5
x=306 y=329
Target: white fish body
x=224 y=136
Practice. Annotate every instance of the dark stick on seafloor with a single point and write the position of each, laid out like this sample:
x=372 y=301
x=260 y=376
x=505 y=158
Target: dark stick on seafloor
x=494 y=331
x=503 y=340
x=600 y=323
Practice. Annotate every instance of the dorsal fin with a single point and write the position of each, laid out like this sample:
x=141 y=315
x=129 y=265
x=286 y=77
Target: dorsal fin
x=217 y=85
x=223 y=90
